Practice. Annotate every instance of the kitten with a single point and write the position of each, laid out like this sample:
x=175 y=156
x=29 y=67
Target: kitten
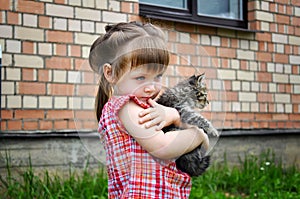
x=185 y=97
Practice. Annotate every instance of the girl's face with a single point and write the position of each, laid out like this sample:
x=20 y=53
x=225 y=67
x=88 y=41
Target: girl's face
x=140 y=82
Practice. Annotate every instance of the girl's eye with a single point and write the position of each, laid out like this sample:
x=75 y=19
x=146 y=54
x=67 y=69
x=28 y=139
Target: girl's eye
x=140 y=78
x=158 y=77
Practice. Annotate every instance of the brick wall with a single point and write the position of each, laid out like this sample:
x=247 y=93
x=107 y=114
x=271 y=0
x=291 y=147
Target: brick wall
x=46 y=81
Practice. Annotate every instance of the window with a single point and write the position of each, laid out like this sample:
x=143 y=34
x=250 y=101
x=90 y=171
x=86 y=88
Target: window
x=218 y=13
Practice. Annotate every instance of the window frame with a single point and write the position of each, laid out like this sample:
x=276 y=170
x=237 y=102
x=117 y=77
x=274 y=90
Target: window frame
x=190 y=15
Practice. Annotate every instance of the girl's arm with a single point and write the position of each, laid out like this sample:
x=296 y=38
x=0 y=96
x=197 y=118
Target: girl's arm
x=162 y=145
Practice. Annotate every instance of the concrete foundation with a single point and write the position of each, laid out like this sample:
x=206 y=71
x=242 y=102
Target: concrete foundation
x=62 y=152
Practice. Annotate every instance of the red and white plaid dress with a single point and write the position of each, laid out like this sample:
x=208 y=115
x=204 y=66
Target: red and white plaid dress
x=132 y=171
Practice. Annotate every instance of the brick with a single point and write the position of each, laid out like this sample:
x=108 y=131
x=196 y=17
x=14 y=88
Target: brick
x=294 y=40
x=293 y=59
x=29 y=114
x=59 y=76
x=88 y=103
x=74 y=50
x=13 y=46
x=14 y=102
x=59 y=114
x=61 y=89
x=58 y=63
x=74 y=25
x=85 y=39
x=30 y=102
x=126 y=7
x=30 y=125
x=5 y=5
x=279 y=38
x=44 y=75
x=13 y=18
x=265 y=97
x=30 y=7
x=103 y=5
x=32 y=34
x=75 y=103
x=59 y=1
x=60 y=49
x=28 y=74
x=264 y=56
x=280 y=117
x=60 y=24
x=28 y=47
x=264 y=77
x=227 y=74
x=294 y=79
x=45 y=125
x=283 y=19
x=186 y=49
x=264 y=16
x=59 y=10
x=281 y=58
x=244 y=75
x=45 y=49
x=59 y=36
x=74 y=77
x=247 y=97
x=6 y=114
x=13 y=74
x=29 y=61
x=245 y=54
x=8 y=88
x=88 y=14
x=227 y=52
x=282 y=98
x=6 y=31
x=45 y=102
x=60 y=103
x=30 y=20
x=88 y=3
x=111 y=17
x=114 y=6
x=88 y=26
x=45 y=22
x=60 y=124
x=31 y=88
x=266 y=37
x=14 y=125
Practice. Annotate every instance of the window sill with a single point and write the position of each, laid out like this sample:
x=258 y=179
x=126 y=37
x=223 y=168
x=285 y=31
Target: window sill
x=151 y=16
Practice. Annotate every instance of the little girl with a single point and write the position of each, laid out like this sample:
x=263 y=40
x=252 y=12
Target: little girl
x=131 y=59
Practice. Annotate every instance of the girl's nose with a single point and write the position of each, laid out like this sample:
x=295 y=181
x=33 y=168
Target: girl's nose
x=150 y=87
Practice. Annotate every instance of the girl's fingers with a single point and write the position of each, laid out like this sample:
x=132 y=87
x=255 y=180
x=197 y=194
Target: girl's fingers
x=146 y=112
x=155 y=122
x=152 y=102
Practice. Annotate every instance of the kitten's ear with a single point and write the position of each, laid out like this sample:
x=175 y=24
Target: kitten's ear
x=200 y=79
x=193 y=80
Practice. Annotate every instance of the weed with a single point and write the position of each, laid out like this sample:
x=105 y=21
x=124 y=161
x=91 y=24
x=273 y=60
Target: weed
x=255 y=177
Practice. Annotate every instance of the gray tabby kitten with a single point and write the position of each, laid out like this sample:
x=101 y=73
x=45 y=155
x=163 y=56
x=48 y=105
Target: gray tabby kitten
x=185 y=97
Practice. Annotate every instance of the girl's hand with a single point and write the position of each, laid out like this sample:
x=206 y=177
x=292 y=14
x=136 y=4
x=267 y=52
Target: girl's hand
x=159 y=115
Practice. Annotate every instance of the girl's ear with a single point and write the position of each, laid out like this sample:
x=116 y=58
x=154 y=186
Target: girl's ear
x=107 y=70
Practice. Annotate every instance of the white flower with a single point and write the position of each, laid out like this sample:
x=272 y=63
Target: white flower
x=267 y=163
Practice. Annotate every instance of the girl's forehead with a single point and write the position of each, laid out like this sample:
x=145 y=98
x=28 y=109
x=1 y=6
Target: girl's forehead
x=145 y=68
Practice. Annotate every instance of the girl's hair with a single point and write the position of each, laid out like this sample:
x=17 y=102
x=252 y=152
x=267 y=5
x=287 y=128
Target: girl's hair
x=126 y=46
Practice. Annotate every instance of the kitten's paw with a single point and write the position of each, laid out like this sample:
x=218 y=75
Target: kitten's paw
x=213 y=131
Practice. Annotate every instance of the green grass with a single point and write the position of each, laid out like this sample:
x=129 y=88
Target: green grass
x=255 y=177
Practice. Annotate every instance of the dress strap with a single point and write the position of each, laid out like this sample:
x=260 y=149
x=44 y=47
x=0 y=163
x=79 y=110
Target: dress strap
x=139 y=102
